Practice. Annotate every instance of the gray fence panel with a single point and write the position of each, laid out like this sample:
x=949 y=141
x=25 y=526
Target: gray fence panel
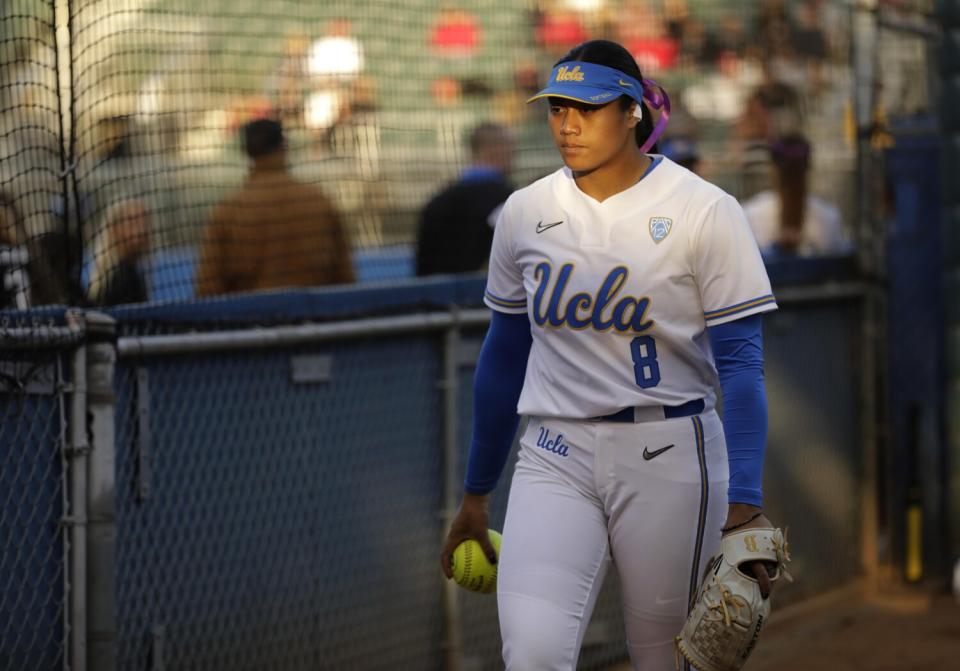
x=32 y=542
x=478 y=612
x=281 y=525
x=813 y=463
x=280 y=508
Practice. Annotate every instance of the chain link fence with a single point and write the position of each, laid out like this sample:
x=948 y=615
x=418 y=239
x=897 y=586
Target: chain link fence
x=816 y=447
x=35 y=513
x=283 y=507
x=280 y=493
x=280 y=509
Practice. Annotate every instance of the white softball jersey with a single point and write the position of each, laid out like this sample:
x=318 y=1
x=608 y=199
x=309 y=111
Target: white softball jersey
x=619 y=293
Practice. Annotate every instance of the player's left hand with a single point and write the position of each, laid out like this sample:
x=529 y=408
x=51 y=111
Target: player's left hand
x=737 y=513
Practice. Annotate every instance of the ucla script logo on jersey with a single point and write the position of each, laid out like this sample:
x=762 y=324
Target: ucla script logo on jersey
x=660 y=228
x=557 y=446
x=602 y=310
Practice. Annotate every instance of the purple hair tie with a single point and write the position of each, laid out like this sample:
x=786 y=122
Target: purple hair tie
x=654 y=94
x=790 y=149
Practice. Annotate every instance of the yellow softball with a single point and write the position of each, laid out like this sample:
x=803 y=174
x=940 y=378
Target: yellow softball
x=471 y=568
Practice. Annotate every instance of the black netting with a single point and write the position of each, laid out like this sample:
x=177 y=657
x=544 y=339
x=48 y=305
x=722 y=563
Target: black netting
x=125 y=176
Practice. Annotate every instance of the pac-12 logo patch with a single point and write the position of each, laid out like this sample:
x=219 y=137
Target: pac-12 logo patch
x=660 y=228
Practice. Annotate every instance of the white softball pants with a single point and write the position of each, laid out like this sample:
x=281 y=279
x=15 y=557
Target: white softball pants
x=584 y=494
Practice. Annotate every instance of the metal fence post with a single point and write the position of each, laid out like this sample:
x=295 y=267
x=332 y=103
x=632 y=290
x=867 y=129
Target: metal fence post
x=77 y=450
x=874 y=548
x=101 y=493
x=451 y=486
x=950 y=116
x=874 y=541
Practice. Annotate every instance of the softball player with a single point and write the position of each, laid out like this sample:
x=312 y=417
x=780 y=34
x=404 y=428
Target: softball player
x=623 y=289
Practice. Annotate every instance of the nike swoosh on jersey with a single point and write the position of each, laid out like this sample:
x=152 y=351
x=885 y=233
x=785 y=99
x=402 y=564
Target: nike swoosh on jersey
x=648 y=455
x=623 y=83
x=541 y=227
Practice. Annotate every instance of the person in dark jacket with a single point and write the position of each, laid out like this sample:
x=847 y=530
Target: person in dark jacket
x=456 y=226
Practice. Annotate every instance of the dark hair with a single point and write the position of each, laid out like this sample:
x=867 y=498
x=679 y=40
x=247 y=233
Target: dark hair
x=613 y=55
x=791 y=157
x=262 y=137
x=791 y=149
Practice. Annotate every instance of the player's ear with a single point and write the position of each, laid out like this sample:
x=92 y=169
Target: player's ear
x=634 y=114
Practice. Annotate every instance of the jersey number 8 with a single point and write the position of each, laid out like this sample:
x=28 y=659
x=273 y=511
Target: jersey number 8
x=645 y=367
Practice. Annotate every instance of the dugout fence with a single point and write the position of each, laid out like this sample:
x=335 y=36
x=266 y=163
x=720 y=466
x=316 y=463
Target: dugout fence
x=267 y=487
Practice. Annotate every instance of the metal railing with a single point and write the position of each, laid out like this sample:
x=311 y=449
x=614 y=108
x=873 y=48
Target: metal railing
x=452 y=340
x=276 y=497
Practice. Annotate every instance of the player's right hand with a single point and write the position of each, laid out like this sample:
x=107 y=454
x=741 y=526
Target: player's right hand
x=470 y=521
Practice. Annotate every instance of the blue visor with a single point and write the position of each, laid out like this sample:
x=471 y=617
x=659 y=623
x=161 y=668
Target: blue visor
x=590 y=83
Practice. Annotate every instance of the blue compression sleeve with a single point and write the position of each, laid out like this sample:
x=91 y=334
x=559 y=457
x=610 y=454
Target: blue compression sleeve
x=496 y=390
x=738 y=353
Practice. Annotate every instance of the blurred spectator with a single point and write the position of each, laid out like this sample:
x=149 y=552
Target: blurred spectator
x=338 y=53
x=787 y=220
x=28 y=78
x=774 y=30
x=526 y=79
x=120 y=165
x=721 y=94
x=122 y=156
x=287 y=86
x=694 y=44
x=558 y=28
x=510 y=104
x=455 y=33
x=446 y=91
x=676 y=15
x=643 y=32
x=728 y=42
x=904 y=61
x=810 y=43
x=52 y=276
x=809 y=39
x=14 y=281
x=358 y=133
x=456 y=226
x=772 y=111
x=334 y=63
x=273 y=231
x=114 y=138
x=835 y=22
x=123 y=241
x=33 y=269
